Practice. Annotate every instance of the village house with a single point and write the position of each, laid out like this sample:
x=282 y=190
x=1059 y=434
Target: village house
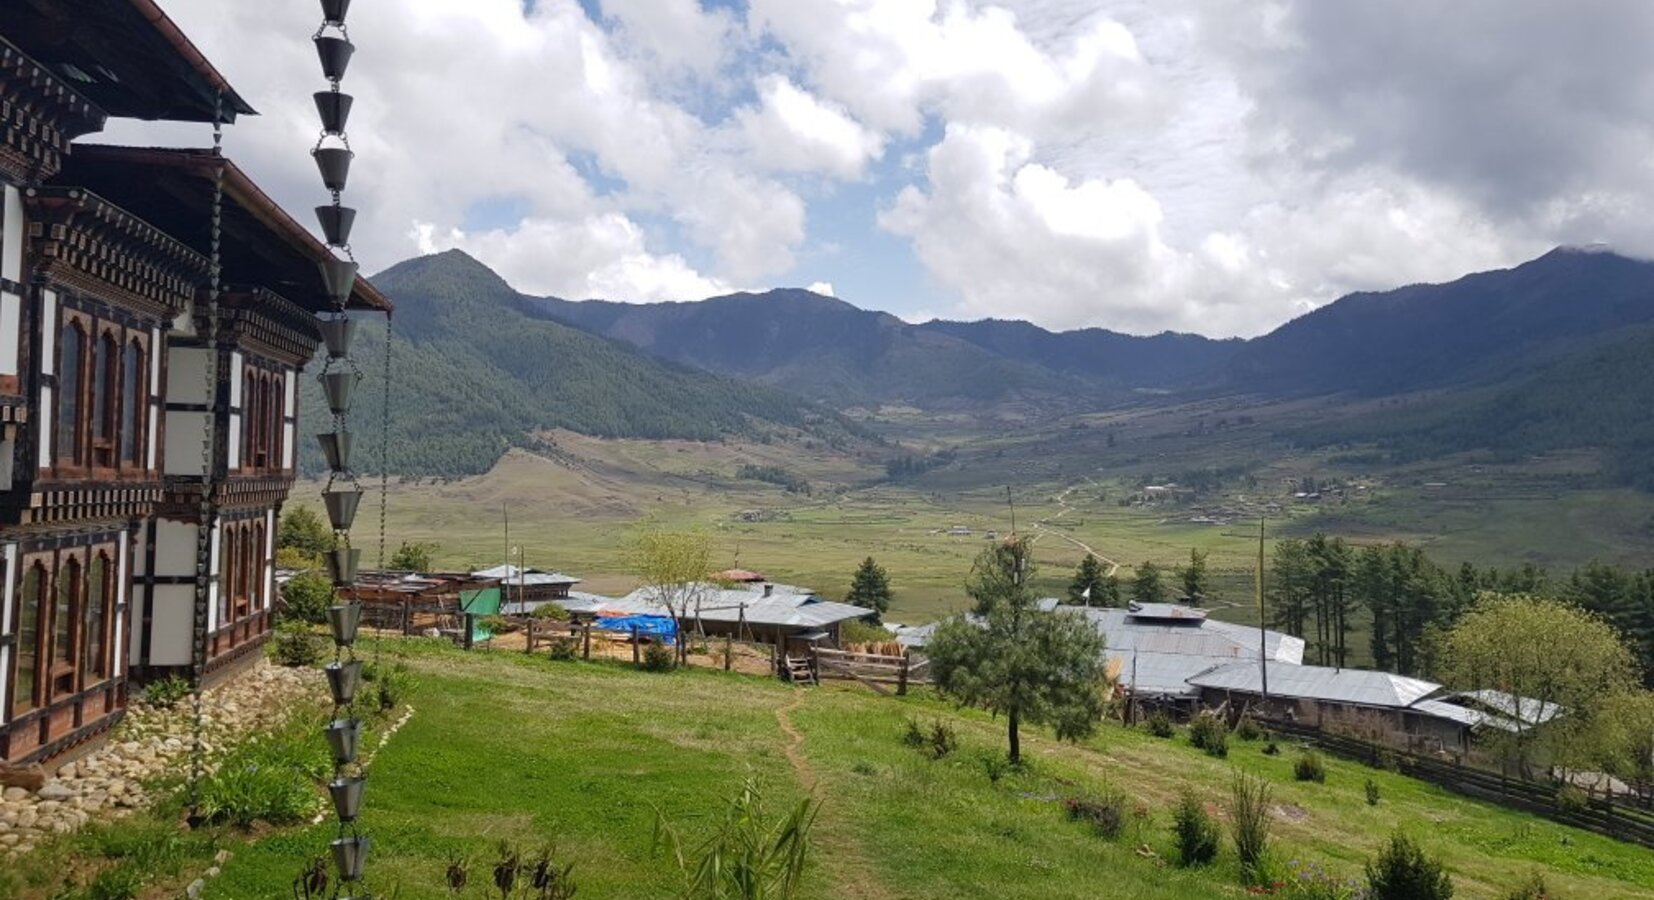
x=791 y=618
x=106 y=260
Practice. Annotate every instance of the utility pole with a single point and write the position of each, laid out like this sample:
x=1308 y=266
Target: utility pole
x=1263 y=633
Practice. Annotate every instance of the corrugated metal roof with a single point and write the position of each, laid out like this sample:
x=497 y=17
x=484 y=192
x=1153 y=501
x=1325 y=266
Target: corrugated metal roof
x=1526 y=709
x=1358 y=687
x=528 y=578
x=1174 y=643
x=786 y=605
x=1470 y=718
x=1172 y=611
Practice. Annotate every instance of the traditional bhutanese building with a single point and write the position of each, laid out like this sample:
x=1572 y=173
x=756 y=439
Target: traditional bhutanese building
x=105 y=267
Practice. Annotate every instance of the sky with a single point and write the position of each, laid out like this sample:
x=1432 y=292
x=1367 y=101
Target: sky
x=1139 y=165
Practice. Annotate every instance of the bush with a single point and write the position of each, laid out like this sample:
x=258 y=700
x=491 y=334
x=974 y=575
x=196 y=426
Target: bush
x=1402 y=871
x=1249 y=821
x=995 y=766
x=552 y=611
x=657 y=657
x=390 y=685
x=1208 y=732
x=1386 y=760
x=1533 y=889
x=913 y=735
x=1159 y=724
x=1372 y=792
x=1105 y=812
x=861 y=631
x=1312 y=882
x=168 y=691
x=271 y=778
x=1310 y=768
x=1272 y=749
x=500 y=624
x=1571 y=800
x=294 y=646
x=563 y=649
x=1247 y=728
x=1196 y=833
x=117 y=883
x=942 y=740
x=306 y=597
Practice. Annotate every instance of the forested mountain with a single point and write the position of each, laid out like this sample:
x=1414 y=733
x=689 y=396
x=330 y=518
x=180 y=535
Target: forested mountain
x=1163 y=361
x=1477 y=328
x=474 y=373
x=824 y=349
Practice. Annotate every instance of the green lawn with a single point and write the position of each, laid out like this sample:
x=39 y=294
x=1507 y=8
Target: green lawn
x=507 y=747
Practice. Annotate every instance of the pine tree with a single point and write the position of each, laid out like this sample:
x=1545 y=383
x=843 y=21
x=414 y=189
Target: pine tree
x=870 y=589
x=1193 y=576
x=1104 y=590
x=1147 y=587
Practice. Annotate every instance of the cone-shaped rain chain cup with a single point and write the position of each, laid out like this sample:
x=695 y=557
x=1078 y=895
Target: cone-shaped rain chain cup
x=344 y=736
x=341 y=565
x=336 y=222
x=348 y=856
x=343 y=619
x=333 y=11
x=336 y=450
x=335 y=56
x=339 y=388
x=341 y=507
x=347 y=797
x=338 y=278
x=334 y=165
x=334 y=110
x=338 y=333
x=343 y=678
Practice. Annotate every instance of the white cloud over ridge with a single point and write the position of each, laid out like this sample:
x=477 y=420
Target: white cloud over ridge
x=1133 y=164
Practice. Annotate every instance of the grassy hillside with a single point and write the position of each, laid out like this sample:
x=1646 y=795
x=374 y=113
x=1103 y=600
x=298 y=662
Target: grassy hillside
x=475 y=374
x=585 y=753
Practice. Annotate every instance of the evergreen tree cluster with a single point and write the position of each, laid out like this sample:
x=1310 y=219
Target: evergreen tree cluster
x=870 y=589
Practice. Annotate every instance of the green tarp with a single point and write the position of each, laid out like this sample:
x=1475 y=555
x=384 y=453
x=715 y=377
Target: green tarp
x=480 y=603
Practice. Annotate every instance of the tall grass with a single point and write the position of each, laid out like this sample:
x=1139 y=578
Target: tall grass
x=748 y=857
x=1249 y=821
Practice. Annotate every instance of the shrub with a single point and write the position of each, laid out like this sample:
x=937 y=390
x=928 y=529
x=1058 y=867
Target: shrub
x=117 y=883
x=657 y=657
x=271 y=778
x=1249 y=821
x=861 y=631
x=913 y=735
x=1105 y=812
x=995 y=766
x=500 y=624
x=1312 y=882
x=1310 y=768
x=306 y=597
x=1372 y=792
x=942 y=740
x=1402 y=871
x=1208 y=732
x=750 y=855
x=1196 y=833
x=563 y=649
x=1159 y=724
x=552 y=611
x=1571 y=800
x=294 y=646
x=1533 y=889
x=1386 y=760
x=1272 y=749
x=168 y=691
x=1247 y=728
x=391 y=685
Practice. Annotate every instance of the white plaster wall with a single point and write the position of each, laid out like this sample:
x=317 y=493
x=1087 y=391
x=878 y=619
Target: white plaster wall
x=155 y=351
x=172 y=630
x=154 y=439
x=212 y=586
x=11 y=331
x=123 y=591
x=174 y=548
x=11 y=256
x=48 y=331
x=184 y=438
x=43 y=426
x=287 y=446
x=291 y=404
x=6 y=598
x=187 y=375
x=235 y=379
x=234 y=461
x=267 y=574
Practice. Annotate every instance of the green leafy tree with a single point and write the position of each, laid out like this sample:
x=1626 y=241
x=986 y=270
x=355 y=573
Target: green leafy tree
x=306 y=597
x=1104 y=589
x=1193 y=577
x=303 y=530
x=1548 y=652
x=1045 y=668
x=1625 y=738
x=1146 y=586
x=413 y=556
x=674 y=566
x=870 y=589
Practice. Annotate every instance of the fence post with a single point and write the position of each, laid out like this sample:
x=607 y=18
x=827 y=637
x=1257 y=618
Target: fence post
x=901 y=678
x=775 y=660
x=586 y=650
x=530 y=649
x=635 y=660
x=407 y=619
x=470 y=629
x=729 y=651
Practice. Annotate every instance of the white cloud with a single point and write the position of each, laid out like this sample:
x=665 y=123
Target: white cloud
x=674 y=36
x=824 y=288
x=792 y=130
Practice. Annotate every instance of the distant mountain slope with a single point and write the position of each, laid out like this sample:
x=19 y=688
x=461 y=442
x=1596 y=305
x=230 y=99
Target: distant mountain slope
x=476 y=372
x=1163 y=361
x=1476 y=328
x=821 y=348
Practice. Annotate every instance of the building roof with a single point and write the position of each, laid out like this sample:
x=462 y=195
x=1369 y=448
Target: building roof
x=1470 y=718
x=785 y=605
x=1161 y=645
x=172 y=189
x=512 y=575
x=126 y=56
x=738 y=576
x=1357 y=687
x=1526 y=709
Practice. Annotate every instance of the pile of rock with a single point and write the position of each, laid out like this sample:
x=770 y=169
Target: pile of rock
x=151 y=741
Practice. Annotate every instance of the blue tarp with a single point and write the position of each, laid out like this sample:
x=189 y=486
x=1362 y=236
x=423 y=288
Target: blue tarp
x=662 y=627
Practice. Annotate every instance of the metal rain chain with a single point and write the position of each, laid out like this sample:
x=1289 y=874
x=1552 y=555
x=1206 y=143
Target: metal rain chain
x=343 y=494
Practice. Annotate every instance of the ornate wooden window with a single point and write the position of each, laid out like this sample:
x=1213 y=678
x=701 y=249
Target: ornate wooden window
x=31 y=608
x=64 y=613
x=244 y=575
x=134 y=399
x=105 y=409
x=71 y=360
x=276 y=408
x=100 y=602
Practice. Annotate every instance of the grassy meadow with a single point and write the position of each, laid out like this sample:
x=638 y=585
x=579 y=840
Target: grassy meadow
x=505 y=747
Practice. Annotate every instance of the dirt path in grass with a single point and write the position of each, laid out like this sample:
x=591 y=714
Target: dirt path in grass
x=1042 y=527
x=839 y=847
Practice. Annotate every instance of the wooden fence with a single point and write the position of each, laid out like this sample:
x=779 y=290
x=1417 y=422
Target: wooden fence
x=1627 y=817
x=874 y=670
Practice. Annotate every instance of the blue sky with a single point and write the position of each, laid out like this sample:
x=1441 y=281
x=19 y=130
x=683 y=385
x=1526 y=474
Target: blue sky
x=1140 y=165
